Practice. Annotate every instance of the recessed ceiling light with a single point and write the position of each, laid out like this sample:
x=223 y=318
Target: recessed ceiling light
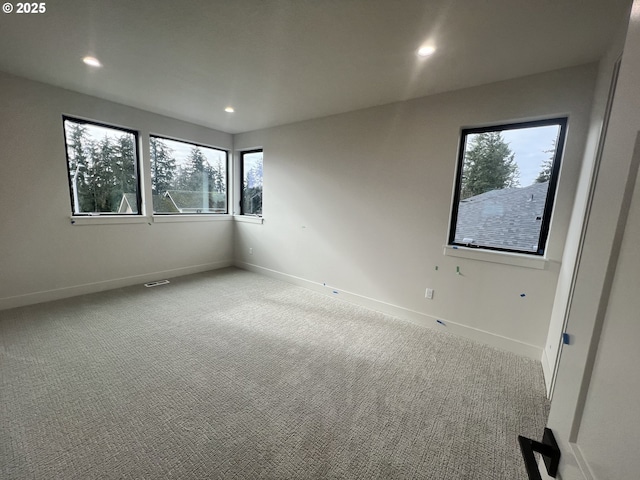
x=92 y=61
x=426 y=51
x=229 y=110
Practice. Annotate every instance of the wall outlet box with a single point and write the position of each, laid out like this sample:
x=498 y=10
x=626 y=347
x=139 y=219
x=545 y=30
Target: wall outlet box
x=429 y=293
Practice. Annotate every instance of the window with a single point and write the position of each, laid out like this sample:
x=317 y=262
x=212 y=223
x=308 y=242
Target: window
x=187 y=178
x=251 y=164
x=505 y=186
x=102 y=162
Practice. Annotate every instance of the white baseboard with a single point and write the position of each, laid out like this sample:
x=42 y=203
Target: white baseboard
x=547 y=372
x=542 y=469
x=482 y=336
x=66 y=292
x=583 y=465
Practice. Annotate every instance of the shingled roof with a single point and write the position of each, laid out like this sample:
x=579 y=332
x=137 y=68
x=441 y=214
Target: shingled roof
x=510 y=218
x=128 y=203
x=178 y=201
x=163 y=204
x=197 y=202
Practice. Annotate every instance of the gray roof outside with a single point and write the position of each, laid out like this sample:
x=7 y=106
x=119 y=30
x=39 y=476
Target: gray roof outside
x=163 y=204
x=196 y=202
x=128 y=203
x=177 y=201
x=510 y=218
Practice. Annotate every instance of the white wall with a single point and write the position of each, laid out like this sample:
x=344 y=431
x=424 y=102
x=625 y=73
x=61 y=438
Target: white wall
x=568 y=267
x=610 y=428
x=594 y=412
x=361 y=202
x=42 y=256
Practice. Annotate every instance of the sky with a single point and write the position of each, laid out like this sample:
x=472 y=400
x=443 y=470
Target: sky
x=528 y=145
x=252 y=160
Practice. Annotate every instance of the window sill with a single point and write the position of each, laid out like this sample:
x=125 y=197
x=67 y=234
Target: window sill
x=138 y=219
x=248 y=219
x=108 y=219
x=506 y=258
x=216 y=217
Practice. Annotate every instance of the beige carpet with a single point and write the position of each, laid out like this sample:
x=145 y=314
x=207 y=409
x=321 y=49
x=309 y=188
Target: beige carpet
x=233 y=375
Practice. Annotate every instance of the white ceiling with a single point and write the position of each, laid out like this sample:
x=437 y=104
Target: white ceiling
x=281 y=61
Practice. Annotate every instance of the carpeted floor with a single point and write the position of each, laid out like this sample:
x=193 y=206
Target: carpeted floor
x=234 y=375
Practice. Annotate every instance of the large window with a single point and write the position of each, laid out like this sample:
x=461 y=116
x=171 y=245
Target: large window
x=102 y=162
x=505 y=186
x=187 y=178
x=251 y=197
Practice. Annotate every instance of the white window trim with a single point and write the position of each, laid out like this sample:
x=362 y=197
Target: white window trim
x=82 y=220
x=187 y=217
x=138 y=219
x=248 y=219
x=505 y=258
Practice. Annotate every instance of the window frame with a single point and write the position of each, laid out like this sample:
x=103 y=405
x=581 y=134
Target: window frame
x=195 y=144
x=242 y=154
x=562 y=122
x=138 y=169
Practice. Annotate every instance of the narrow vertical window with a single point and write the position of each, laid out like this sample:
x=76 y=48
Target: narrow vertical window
x=102 y=162
x=187 y=178
x=506 y=184
x=251 y=191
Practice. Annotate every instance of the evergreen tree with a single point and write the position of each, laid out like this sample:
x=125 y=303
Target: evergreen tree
x=163 y=166
x=102 y=178
x=79 y=159
x=547 y=165
x=125 y=177
x=252 y=190
x=217 y=177
x=253 y=177
x=488 y=165
x=125 y=164
x=195 y=174
x=181 y=180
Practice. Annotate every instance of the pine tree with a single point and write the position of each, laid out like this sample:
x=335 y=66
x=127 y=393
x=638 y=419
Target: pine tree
x=252 y=190
x=79 y=159
x=489 y=164
x=253 y=177
x=125 y=178
x=102 y=178
x=217 y=178
x=163 y=166
x=195 y=177
x=181 y=180
x=547 y=165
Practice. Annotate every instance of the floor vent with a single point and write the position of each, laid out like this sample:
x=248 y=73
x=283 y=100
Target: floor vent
x=155 y=284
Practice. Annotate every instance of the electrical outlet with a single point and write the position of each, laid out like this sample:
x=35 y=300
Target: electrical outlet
x=251 y=251
x=429 y=293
